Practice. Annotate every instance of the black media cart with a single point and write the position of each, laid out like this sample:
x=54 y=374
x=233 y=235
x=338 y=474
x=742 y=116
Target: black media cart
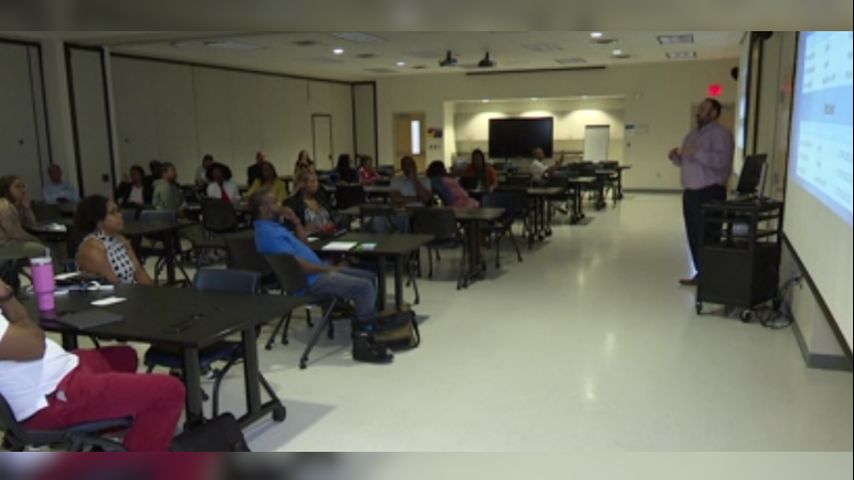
x=741 y=266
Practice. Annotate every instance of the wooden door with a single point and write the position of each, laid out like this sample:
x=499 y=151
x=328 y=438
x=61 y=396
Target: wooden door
x=409 y=138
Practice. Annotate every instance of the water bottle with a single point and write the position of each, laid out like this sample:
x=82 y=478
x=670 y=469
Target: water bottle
x=43 y=281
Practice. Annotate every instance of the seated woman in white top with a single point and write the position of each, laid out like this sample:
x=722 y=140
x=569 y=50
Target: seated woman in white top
x=104 y=251
x=221 y=186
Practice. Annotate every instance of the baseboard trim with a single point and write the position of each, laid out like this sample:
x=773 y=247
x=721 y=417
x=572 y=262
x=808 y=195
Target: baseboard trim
x=819 y=360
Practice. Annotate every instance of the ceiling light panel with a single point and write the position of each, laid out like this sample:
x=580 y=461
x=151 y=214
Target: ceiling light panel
x=676 y=39
x=681 y=55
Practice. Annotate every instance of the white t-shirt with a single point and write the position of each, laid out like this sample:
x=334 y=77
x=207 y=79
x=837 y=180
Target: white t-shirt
x=25 y=385
x=406 y=187
x=537 y=169
x=136 y=195
x=231 y=189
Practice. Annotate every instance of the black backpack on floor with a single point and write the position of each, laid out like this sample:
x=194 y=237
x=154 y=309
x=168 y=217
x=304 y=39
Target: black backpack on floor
x=397 y=329
x=221 y=434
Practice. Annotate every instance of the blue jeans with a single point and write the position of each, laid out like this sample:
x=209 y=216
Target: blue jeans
x=353 y=284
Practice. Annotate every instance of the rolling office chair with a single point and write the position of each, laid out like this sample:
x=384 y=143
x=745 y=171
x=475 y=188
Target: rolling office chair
x=76 y=438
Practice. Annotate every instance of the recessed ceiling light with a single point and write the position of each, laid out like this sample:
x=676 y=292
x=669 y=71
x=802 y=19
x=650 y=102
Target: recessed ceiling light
x=338 y=51
x=585 y=97
x=595 y=34
x=617 y=52
x=534 y=99
x=485 y=100
x=232 y=45
x=681 y=55
x=401 y=64
x=676 y=39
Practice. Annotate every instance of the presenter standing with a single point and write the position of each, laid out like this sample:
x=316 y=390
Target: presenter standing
x=705 y=160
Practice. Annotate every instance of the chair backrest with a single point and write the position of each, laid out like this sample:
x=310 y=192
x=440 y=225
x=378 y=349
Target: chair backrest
x=165 y=216
x=8 y=424
x=218 y=216
x=518 y=181
x=439 y=222
x=227 y=280
x=514 y=202
x=45 y=212
x=130 y=214
x=288 y=272
x=468 y=183
x=243 y=254
x=347 y=196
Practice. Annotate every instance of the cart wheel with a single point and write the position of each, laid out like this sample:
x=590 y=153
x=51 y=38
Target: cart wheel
x=699 y=307
x=280 y=413
x=746 y=315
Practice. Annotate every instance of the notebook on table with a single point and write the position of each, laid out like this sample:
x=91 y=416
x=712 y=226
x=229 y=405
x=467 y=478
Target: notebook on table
x=89 y=319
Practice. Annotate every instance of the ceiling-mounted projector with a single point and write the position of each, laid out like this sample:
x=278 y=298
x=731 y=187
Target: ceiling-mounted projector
x=486 y=62
x=448 y=61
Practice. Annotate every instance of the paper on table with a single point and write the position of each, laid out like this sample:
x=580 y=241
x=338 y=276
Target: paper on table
x=103 y=302
x=367 y=246
x=339 y=246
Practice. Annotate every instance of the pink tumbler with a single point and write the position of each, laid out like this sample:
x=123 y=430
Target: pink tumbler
x=43 y=282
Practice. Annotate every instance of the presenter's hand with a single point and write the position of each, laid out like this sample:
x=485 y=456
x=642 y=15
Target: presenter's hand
x=674 y=154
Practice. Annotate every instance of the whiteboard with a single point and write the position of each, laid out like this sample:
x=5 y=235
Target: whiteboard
x=596 y=138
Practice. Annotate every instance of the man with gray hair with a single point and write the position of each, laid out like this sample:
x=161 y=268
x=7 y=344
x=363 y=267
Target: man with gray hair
x=56 y=190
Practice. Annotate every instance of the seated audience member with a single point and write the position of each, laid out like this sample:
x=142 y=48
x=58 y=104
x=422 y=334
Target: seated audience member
x=482 y=171
x=538 y=168
x=166 y=194
x=104 y=251
x=269 y=179
x=49 y=388
x=220 y=185
x=133 y=191
x=16 y=215
x=56 y=190
x=202 y=172
x=156 y=169
x=358 y=286
x=303 y=163
x=409 y=189
x=368 y=175
x=344 y=171
x=311 y=205
x=254 y=171
x=448 y=188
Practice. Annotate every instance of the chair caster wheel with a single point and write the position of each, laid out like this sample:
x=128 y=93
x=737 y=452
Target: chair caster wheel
x=268 y=347
x=280 y=413
x=746 y=316
x=302 y=365
x=699 y=307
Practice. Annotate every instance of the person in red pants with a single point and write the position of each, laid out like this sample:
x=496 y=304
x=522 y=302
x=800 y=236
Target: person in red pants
x=49 y=388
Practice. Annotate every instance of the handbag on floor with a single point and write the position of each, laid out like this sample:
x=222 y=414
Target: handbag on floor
x=221 y=434
x=397 y=329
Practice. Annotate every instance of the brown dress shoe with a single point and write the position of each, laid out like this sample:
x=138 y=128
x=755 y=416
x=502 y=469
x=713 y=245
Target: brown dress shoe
x=689 y=282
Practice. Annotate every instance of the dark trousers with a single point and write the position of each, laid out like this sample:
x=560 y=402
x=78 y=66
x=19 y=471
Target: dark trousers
x=692 y=200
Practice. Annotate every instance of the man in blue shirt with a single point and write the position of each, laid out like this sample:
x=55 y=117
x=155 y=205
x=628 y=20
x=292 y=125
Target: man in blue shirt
x=56 y=190
x=358 y=286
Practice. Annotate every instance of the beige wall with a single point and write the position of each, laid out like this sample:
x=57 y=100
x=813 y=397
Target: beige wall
x=471 y=122
x=658 y=98
x=177 y=113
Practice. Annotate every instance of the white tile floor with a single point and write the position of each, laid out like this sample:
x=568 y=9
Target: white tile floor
x=587 y=344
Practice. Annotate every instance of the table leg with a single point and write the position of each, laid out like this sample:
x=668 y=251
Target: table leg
x=192 y=380
x=381 y=293
x=600 y=197
x=169 y=239
x=250 y=371
x=69 y=341
x=619 y=184
x=398 y=282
